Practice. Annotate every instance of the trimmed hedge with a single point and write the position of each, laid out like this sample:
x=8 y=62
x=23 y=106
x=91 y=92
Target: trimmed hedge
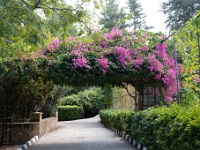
x=161 y=128
x=66 y=113
x=118 y=119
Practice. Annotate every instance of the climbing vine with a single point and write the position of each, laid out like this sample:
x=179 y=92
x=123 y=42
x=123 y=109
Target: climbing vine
x=116 y=58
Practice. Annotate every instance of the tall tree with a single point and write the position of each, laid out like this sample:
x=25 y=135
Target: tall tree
x=26 y=26
x=137 y=17
x=179 y=11
x=113 y=15
x=26 y=22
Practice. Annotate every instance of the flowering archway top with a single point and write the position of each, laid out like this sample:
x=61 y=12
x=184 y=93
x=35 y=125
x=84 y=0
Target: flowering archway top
x=117 y=57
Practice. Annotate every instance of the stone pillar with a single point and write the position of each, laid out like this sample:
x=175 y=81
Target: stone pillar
x=54 y=113
x=36 y=117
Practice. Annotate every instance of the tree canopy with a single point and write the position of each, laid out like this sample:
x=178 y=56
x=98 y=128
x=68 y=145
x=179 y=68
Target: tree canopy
x=137 y=17
x=178 y=12
x=112 y=15
x=187 y=43
x=26 y=26
x=29 y=24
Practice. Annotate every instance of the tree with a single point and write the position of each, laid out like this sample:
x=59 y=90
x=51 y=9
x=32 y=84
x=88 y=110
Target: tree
x=112 y=15
x=137 y=17
x=26 y=26
x=187 y=43
x=179 y=11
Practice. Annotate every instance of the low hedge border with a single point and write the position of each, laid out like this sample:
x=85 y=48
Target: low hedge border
x=161 y=128
x=68 y=112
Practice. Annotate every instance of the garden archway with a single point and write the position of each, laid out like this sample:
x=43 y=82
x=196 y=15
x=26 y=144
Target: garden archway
x=118 y=58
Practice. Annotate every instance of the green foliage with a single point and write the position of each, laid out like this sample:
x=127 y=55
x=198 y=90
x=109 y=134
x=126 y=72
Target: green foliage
x=27 y=97
x=26 y=23
x=137 y=17
x=92 y=100
x=118 y=119
x=70 y=100
x=151 y=127
x=178 y=12
x=26 y=26
x=54 y=95
x=108 y=91
x=66 y=113
x=164 y=128
x=186 y=42
x=112 y=15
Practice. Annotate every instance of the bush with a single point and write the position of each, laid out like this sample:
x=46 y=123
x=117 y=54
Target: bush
x=70 y=100
x=163 y=128
x=152 y=127
x=92 y=100
x=66 y=113
x=173 y=127
x=118 y=119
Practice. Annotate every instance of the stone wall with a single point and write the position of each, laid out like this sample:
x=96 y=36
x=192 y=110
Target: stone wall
x=24 y=131
x=48 y=125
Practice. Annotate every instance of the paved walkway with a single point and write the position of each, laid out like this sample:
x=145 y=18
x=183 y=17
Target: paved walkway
x=84 y=134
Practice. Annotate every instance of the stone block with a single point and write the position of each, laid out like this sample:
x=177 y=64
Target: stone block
x=36 y=117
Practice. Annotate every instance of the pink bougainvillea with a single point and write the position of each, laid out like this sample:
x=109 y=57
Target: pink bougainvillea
x=115 y=32
x=154 y=64
x=104 y=63
x=80 y=62
x=123 y=55
x=54 y=45
x=131 y=52
x=138 y=61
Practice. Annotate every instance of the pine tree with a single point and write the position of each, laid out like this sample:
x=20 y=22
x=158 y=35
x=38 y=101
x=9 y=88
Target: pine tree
x=112 y=15
x=179 y=11
x=137 y=17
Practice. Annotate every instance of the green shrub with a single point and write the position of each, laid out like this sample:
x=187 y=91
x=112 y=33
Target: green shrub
x=152 y=127
x=117 y=119
x=66 y=113
x=185 y=129
x=92 y=100
x=163 y=128
x=70 y=100
x=173 y=128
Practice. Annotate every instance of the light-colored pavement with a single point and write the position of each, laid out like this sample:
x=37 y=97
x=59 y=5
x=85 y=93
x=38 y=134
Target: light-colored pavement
x=84 y=134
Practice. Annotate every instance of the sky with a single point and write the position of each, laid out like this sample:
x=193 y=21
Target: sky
x=151 y=8
x=154 y=17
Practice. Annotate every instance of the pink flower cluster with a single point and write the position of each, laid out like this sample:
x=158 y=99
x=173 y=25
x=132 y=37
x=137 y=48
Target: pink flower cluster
x=132 y=50
x=79 y=59
x=138 y=61
x=54 y=45
x=123 y=55
x=80 y=62
x=104 y=63
x=165 y=67
x=154 y=64
x=115 y=32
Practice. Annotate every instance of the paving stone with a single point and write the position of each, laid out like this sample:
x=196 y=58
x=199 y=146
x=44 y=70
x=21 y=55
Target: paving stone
x=84 y=134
